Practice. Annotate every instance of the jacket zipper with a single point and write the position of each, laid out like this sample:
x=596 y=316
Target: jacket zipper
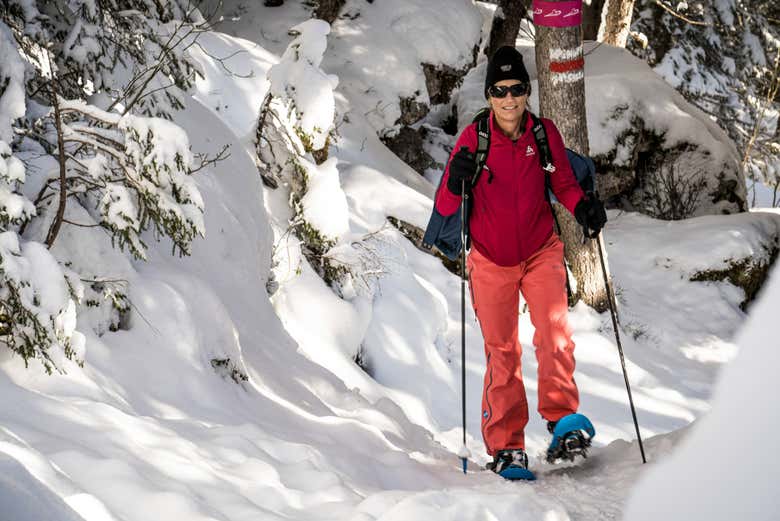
x=517 y=195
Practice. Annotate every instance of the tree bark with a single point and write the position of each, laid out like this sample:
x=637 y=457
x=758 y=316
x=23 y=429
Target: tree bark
x=328 y=10
x=506 y=24
x=562 y=99
x=591 y=19
x=617 y=22
x=54 y=229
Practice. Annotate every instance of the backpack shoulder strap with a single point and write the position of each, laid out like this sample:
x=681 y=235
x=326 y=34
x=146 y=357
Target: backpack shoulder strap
x=543 y=144
x=482 y=119
x=545 y=155
x=483 y=142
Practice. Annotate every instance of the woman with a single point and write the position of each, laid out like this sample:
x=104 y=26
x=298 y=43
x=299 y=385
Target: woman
x=514 y=249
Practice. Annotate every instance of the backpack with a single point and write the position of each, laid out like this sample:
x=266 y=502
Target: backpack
x=445 y=232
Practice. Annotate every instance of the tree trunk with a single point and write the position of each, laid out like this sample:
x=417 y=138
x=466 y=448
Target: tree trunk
x=506 y=24
x=56 y=224
x=328 y=10
x=559 y=64
x=591 y=19
x=617 y=22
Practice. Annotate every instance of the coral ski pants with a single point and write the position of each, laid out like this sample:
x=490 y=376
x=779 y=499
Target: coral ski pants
x=495 y=296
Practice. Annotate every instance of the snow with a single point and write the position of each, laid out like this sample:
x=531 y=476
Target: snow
x=765 y=197
x=298 y=78
x=378 y=51
x=42 y=267
x=24 y=498
x=725 y=10
x=714 y=242
x=333 y=329
x=169 y=143
x=724 y=469
x=35 y=275
x=754 y=45
x=12 y=103
x=235 y=87
x=90 y=110
x=147 y=428
x=729 y=65
x=140 y=165
x=14 y=207
x=267 y=24
x=325 y=204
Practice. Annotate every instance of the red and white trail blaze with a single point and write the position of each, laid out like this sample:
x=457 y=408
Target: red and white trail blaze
x=566 y=65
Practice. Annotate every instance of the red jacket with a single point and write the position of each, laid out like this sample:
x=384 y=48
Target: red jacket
x=510 y=217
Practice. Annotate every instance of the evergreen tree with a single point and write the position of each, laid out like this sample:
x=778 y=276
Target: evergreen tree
x=93 y=84
x=723 y=57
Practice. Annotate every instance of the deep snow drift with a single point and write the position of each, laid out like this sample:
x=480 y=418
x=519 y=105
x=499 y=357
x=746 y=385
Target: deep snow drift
x=726 y=468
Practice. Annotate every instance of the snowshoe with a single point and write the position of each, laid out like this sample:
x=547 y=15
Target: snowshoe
x=511 y=464
x=572 y=437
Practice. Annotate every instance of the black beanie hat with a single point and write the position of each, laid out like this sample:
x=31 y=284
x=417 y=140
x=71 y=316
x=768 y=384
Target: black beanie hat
x=506 y=64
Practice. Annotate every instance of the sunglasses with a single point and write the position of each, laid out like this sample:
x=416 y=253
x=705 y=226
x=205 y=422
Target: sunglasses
x=517 y=90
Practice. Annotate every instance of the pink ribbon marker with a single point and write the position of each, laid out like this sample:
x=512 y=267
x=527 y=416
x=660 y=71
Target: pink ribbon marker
x=557 y=14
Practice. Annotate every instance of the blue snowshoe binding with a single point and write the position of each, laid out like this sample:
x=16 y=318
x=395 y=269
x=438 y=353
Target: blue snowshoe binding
x=572 y=436
x=511 y=464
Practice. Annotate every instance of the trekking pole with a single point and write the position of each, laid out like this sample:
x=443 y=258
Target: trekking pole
x=613 y=312
x=464 y=451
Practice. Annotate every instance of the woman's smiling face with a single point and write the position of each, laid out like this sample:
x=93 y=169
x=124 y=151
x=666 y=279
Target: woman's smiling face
x=508 y=109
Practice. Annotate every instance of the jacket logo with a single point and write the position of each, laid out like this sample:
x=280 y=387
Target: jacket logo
x=529 y=151
x=573 y=12
x=506 y=68
x=553 y=13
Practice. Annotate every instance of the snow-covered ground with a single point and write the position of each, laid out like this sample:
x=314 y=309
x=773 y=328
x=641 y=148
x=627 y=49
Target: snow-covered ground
x=726 y=468
x=148 y=428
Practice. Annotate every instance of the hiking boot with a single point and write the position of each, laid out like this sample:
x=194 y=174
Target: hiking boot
x=573 y=438
x=508 y=459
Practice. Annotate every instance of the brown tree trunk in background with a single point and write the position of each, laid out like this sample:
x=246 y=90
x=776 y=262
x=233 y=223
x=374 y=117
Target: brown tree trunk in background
x=562 y=99
x=328 y=10
x=617 y=22
x=56 y=224
x=506 y=24
x=591 y=19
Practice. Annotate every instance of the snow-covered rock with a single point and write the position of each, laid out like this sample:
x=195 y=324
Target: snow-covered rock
x=298 y=80
x=380 y=49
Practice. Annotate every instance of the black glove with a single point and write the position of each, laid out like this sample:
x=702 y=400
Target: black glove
x=463 y=167
x=591 y=215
